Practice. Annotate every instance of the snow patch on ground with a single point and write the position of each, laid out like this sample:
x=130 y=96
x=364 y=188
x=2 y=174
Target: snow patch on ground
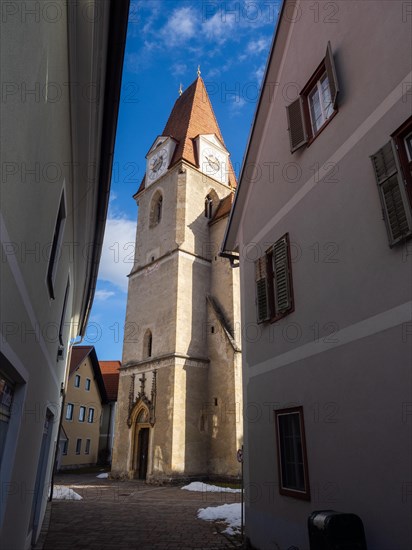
x=228 y=513
x=103 y=476
x=60 y=492
x=205 y=488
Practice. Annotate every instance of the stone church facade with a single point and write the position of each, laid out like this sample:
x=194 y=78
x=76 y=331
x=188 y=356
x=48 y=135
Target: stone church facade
x=180 y=389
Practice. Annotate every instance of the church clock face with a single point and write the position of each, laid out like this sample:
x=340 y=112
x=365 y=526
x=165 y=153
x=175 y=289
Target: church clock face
x=211 y=161
x=157 y=163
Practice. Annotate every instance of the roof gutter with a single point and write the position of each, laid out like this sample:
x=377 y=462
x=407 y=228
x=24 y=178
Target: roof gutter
x=224 y=252
x=119 y=14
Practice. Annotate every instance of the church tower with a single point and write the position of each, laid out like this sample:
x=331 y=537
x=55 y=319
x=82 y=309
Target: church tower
x=180 y=391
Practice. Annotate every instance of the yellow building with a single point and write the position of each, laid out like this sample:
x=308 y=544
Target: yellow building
x=86 y=395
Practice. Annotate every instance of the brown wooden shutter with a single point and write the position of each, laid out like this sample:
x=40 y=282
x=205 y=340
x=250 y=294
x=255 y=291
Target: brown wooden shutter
x=395 y=204
x=262 y=296
x=297 y=128
x=331 y=72
x=281 y=275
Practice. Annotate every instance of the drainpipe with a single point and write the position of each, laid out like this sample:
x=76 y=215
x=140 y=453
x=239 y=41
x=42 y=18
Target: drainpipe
x=63 y=395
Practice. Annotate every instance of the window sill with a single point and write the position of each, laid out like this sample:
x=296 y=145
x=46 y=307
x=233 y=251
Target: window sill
x=300 y=495
x=282 y=315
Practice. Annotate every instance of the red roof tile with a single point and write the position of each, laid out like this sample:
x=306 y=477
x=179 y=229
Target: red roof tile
x=223 y=208
x=79 y=354
x=191 y=116
x=110 y=373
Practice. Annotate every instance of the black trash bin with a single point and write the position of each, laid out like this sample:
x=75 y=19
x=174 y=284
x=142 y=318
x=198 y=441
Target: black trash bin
x=330 y=530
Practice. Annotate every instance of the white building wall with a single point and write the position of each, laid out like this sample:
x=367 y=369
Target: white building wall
x=343 y=353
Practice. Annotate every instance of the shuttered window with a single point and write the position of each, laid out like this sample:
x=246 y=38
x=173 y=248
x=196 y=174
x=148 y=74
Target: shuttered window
x=316 y=104
x=262 y=296
x=281 y=276
x=395 y=204
x=273 y=276
x=297 y=128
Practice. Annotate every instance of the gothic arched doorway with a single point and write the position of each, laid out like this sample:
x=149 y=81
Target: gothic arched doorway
x=142 y=433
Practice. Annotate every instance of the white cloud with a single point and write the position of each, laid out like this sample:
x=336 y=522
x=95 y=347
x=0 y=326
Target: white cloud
x=181 y=26
x=257 y=46
x=135 y=62
x=219 y=26
x=237 y=105
x=118 y=251
x=103 y=294
x=258 y=74
x=178 y=69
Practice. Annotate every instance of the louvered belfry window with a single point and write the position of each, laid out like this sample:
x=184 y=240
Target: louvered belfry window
x=273 y=276
x=395 y=205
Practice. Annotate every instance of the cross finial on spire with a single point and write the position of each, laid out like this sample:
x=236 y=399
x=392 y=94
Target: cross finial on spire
x=198 y=71
x=181 y=89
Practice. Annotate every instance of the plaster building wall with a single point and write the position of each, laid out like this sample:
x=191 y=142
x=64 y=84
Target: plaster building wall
x=43 y=126
x=29 y=316
x=342 y=353
x=76 y=429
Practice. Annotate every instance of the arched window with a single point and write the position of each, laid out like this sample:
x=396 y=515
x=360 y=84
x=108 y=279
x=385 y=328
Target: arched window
x=158 y=212
x=147 y=344
x=208 y=206
x=156 y=208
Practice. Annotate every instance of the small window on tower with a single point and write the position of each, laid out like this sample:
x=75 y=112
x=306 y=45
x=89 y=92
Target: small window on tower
x=147 y=344
x=208 y=206
x=159 y=209
x=156 y=209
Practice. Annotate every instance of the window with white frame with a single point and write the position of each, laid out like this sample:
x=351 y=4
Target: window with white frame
x=77 y=381
x=316 y=104
x=320 y=103
x=87 y=385
x=82 y=413
x=69 y=411
x=291 y=451
x=90 y=416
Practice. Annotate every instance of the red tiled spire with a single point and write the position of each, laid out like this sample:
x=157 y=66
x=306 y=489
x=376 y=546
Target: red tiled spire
x=191 y=116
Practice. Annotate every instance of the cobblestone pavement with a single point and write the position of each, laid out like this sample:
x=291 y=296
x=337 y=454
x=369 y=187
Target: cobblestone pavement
x=130 y=514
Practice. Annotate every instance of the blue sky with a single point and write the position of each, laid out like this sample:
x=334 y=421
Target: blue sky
x=167 y=40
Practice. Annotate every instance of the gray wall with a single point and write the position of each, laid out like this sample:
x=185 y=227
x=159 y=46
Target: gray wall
x=353 y=385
